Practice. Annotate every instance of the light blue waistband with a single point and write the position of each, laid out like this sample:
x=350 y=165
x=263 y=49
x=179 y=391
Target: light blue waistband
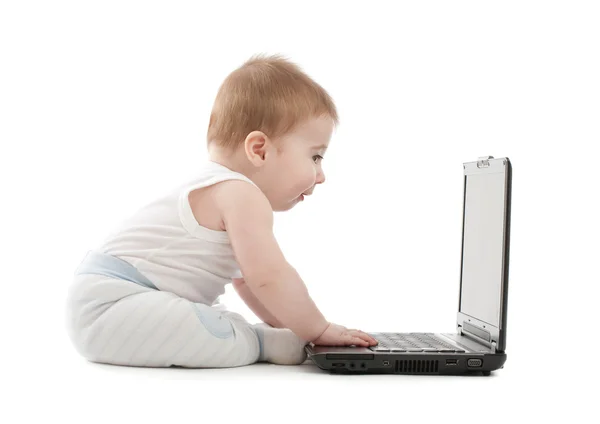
x=111 y=266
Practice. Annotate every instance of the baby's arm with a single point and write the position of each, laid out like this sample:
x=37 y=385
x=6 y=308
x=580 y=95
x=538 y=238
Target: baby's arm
x=254 y=304
x=248 y=219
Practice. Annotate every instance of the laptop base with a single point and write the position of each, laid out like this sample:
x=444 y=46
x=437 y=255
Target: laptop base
x=359 y=360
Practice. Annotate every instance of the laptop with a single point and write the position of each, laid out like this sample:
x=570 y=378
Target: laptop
x=478 y=346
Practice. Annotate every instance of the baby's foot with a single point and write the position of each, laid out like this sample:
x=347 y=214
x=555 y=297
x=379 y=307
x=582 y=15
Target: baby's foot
x=280 y=345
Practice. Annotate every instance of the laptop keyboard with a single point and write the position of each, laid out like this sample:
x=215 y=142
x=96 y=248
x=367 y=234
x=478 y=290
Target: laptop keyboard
x=410 y=342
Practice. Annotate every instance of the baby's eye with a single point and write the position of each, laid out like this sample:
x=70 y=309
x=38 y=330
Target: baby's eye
x=317 y=156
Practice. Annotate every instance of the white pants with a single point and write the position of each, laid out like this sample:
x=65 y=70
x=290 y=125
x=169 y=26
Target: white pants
x=114 y=321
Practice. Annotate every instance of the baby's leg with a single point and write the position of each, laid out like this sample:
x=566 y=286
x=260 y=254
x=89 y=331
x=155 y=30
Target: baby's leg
x=118 y=322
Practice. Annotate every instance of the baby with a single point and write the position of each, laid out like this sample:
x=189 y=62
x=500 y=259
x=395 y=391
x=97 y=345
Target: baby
x=148 y=296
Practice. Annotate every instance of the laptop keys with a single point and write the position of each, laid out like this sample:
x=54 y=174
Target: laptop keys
x=411 y=342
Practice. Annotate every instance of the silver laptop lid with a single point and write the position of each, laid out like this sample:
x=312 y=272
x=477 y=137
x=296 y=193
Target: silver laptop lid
x=485 y=251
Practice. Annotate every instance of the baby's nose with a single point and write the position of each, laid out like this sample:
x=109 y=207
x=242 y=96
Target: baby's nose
x=320 y=178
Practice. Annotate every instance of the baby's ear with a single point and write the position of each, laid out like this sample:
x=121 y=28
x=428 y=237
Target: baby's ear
x=255 y=147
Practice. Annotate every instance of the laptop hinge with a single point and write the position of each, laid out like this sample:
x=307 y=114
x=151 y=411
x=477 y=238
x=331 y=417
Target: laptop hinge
x=484 y=161
x=478 y=335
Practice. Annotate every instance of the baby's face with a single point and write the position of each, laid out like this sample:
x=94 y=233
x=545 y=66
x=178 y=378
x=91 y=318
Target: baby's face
x=296 y=171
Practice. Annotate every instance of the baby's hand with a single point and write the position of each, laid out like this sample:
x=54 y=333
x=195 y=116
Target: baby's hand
x=338 y=335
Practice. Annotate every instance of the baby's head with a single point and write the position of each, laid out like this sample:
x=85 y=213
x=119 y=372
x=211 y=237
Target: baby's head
x=273 y=123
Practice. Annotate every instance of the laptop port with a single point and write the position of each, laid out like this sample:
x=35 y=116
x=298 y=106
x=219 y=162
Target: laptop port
x=338 y=365
x=474 y=362
x=451 y=361
x=386 y=363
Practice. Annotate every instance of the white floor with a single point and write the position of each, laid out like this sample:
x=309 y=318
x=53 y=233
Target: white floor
x=60 y=385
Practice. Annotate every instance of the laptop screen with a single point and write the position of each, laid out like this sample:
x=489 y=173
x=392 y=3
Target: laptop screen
x=483 y=252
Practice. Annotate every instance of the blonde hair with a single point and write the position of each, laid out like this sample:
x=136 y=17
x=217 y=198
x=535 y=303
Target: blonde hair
x=268 y=94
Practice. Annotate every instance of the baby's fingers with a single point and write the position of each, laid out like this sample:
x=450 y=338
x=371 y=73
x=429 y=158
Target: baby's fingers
x=357 y=341
x=364 y=336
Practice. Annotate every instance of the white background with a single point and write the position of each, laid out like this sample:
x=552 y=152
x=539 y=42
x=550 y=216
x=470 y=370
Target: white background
x=104 y=106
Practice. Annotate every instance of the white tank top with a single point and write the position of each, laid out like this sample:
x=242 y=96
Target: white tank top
x=166 y=244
